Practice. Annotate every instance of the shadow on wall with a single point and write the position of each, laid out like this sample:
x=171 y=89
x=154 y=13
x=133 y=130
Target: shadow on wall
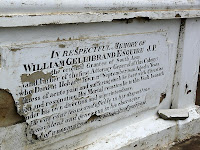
x=198 y=91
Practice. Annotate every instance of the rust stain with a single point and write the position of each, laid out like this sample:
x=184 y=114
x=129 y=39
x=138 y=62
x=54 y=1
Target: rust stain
x=61 y=46
x=15 y=49
x=162 y=97
x=34 y=76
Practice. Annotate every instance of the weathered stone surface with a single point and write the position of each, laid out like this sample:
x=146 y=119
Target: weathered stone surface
x=138 y=131
x=173 y=114
x=67 y=85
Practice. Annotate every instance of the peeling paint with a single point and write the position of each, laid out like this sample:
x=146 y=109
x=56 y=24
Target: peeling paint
x=178 y=16
x=8 y=111
x=34 y=76
x=21 y=103
x=92 y=118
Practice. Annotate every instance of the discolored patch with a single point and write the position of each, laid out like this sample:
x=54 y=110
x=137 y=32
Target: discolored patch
x=34 y=76
x=162 y=97
x=8 y=111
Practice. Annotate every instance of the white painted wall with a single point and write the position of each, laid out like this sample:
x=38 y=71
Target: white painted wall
x=143 y=130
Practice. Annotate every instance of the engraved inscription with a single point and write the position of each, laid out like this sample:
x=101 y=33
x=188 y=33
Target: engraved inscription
x=70 y=84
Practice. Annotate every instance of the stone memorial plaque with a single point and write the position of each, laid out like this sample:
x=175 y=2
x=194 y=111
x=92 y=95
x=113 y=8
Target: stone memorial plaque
x=64 y=85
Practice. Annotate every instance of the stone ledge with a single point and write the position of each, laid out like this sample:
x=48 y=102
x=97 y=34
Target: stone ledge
x=150 y=133
x=146 y=134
